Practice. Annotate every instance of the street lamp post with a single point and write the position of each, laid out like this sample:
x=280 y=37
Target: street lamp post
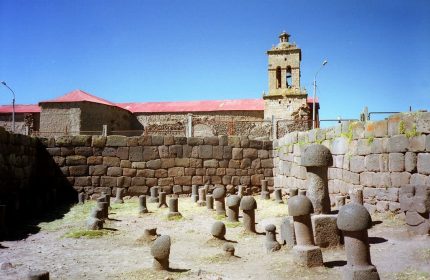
x=315 y=94
x=13 y=106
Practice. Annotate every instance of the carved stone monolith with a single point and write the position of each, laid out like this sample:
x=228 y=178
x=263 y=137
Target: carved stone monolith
x=119 y=195
x=162 y=200
x=142 y=204
x=194 y=193
x=248 y=206
x=173 y=208
x=271 y=244
x=233 y=202
x=218 y=230
x=209 y=202
x=154 y=195
x=278 y=196
x=219 y=197
x=202 y=197
x=160 y=250
x=264 y=192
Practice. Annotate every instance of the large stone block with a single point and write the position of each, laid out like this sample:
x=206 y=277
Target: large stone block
x=423 y=122
x=76 y=160
x=151 y=152
x=153 y=164
x=218 y=152
x=396 y=162
x=109 y=152
x=98 y=141
x=97 y=170
x=410 y=162
x=205 y=151
x=122 y=152
x=398 y=144
x=399 y=179
x=78 y=170
x=417 y=143
x=183 y=180
x=136 y=153
x=157 y=140
x=194 y=141
x=111 y=161
x=176 y=171
x=372 y=162
x=138 y=181
x=213 y=163
x=145 y=140
x=211 y=140
x=288 y=236
x=108 y=182
x=267 y=163
x=339 y=146
x=116 y=140
x=423 y=163
x=148 y=173
x=357 y=164
x=175 y=151
x=364 y=147
x=250 y=153
x=227 y=152
x=326 y=233
x=84 y=151
x=237 y=153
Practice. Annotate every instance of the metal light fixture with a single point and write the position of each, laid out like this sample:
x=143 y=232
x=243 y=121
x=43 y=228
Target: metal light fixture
x=315 y=93
x=13 y=106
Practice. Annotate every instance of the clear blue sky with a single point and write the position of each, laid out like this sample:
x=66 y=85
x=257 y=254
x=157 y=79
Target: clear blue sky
x=159 y=50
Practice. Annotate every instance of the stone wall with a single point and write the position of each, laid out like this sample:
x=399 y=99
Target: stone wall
x=95 y=163
x=30 y=181
x=379 y=157
x=22 y=121
x=241 y=123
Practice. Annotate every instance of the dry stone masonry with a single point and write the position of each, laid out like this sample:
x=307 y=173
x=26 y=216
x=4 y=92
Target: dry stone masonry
x=415 y=203
x=377 y=157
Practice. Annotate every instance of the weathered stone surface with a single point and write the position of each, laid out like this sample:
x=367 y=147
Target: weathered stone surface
x=111 y=161
x=136 y=153
x=78 y=170
x=423 y=163
x=326 y=233
x=396 y=162
x=205 y=151
x=150 y=152
x=153 y=164
x=398 y=144
x=410 y=162
x=357 y=164
x=76 y=160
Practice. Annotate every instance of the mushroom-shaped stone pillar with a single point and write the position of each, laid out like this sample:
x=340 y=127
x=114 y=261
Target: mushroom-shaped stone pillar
x=271 y=244
x=173 y=208
x=248 y=206
x=119 y=195
x=354 y=220
x=154 y=195
x=218 y=230
x=162 y=200
x=160 y=250
x=233 y=202
x=306 y=253
x=219 y=196
x=316 y=158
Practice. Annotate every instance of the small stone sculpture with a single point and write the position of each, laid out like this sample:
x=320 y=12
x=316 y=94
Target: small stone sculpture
x=160 y=250
x=233 y=202
x=306 y=253
x=316 y=158
x=119 y=195
x=37 y=275
x=149 y=235
x=202 y=197
x=293 y=192
x=81 y=198
x=218 y=230
x=173 y=208
x=228 y=249
x=264 y=193
x=194 y=193
x=95 y=222
x=162 y=200
x=248 y=206
x=278 y=196
x=219 y=196
x=209 y=202
x=354 y=220
x=415 y=203
x=154 y=195
x=142 y=204
x=271 y=244
x=103 y=205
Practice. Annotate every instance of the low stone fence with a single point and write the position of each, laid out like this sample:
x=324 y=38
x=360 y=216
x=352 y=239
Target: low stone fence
x=379 y=157
x=95 y=164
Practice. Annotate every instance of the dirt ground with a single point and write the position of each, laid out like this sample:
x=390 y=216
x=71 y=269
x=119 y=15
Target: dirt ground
x=68 y=251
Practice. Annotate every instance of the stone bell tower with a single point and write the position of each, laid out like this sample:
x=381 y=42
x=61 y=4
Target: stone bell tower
x=285 y=99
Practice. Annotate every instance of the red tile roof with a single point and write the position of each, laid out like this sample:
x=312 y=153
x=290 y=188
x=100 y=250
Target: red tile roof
x=19 y=108
x=197 y=106
x=79 y=96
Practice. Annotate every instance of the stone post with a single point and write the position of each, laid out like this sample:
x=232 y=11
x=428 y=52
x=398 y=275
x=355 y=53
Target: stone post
x=190 y=125
x=219 y=196
x=95 y=222
x=354 y=221
x=264 y=193
x=194 y=193
x=293 y=192
x=142 y=204
x=160 y=250
x=107 y=198
x=209 y=202
x=119 y=195
x=357 y=196
x=218 y=230
x=103 y=205
x=233 y=202
x=37 y=275
x=81 y=198
x=316 y=158
x=162 y=200
x=306 y=253
x=228 y=249
x=274 y=132
x=278 y=196
x=105 y=130
x=173 y=208
x=154 y=195
x=248 y=206
x=271 y=244
x=202 y=197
